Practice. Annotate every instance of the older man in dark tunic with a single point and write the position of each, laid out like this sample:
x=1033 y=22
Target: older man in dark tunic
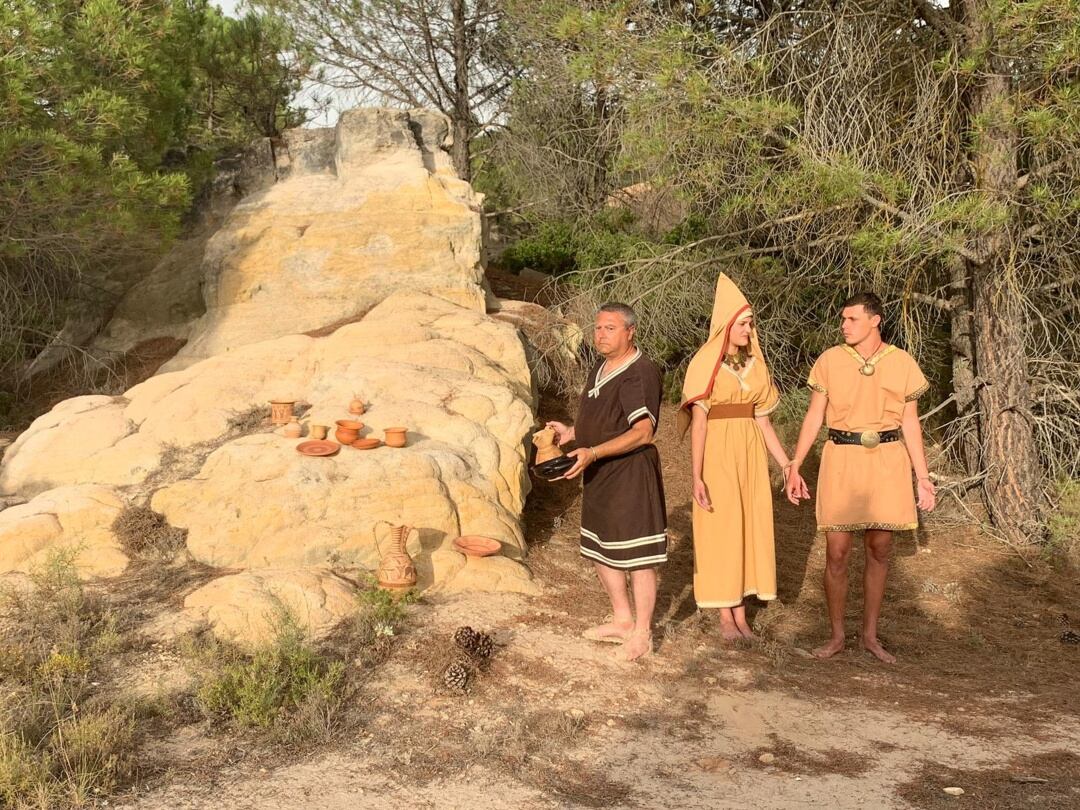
x=623 y=517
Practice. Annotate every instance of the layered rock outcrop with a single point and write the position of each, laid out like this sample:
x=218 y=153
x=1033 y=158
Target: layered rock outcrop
x=356 y=272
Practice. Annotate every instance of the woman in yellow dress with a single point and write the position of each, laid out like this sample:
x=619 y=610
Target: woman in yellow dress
x=727 y=398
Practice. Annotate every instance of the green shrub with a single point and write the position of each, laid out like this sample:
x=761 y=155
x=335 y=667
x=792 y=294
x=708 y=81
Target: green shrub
x=1064 y=523
x=280 y=679
x=552 y=248
x=61 y=745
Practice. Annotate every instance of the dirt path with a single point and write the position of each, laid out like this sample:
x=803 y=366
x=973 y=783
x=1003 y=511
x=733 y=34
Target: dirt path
x=983 y=695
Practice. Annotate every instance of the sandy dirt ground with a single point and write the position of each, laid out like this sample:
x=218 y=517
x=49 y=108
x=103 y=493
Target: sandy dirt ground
x=983 y=697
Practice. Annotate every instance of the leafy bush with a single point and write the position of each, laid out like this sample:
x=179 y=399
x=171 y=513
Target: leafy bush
x=1064 y=523
x=552 y=248
x=281 y=679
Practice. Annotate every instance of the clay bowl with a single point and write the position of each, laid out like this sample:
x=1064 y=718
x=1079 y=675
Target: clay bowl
x=475 y=545
x=318 y=447
x=348 y=430
x=553 y=469
x=395 y=436
x=366 y=444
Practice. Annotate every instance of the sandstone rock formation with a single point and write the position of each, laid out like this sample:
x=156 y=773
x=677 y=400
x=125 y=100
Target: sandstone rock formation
x=370 y=245
x=73 y=520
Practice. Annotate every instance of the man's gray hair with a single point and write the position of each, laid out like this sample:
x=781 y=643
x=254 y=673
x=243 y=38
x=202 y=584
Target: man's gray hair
x=628 y=315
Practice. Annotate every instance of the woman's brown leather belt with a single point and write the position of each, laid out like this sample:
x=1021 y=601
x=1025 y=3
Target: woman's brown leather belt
x=732 y=411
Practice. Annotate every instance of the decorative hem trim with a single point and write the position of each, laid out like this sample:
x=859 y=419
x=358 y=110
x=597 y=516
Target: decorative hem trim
x=914 y=395
x=640 y=412
x=617 y=544
x=766 y=598
x=854 y=527
x=641 y=562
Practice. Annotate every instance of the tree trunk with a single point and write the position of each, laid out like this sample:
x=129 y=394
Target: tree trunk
x=1014 y=483
x=461 y=116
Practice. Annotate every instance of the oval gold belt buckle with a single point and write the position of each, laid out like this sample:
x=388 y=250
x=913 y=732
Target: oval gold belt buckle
x=870 y=439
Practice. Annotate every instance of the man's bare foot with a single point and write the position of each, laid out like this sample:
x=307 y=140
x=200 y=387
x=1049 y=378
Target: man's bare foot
x=637 y=645
x=872 y=645
x=829 y=648
x=610 y=632
x=744 y=630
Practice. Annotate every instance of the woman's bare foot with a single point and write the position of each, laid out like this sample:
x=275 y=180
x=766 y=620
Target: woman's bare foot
x=728 y=627
x=829 y=648
x=873 y=646
x=637 y=645
x=744 y=629
x=730 y=631
x=612 y=632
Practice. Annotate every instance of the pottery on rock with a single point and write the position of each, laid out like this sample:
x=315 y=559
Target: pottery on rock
x=292 y=430
x=281 y=411
x=395 y=436
x=356 y=406
x=317 y=432
x=348 y=430
x=396 y=568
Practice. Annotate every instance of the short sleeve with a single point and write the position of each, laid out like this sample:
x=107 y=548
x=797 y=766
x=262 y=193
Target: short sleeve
x=640 y=395
x=818 y=379
x=915 y=385
x=769 y=403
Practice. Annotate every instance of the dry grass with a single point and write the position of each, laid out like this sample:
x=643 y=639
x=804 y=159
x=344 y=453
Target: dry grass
x=63 y=742
x=1049 y=781
x=789 y=758
x=145 y=533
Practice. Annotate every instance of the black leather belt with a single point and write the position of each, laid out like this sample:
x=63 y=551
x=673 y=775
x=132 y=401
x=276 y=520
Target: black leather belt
x=867 y=438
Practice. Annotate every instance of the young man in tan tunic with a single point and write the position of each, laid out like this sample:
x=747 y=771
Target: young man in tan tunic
x=867 y=393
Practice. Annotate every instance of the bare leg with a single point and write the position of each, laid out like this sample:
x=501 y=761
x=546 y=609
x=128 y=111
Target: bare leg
x=837 y=552
x=614 y=582
x=639 y=642
x=740 y=621
x=878 y=549
x=728 y=628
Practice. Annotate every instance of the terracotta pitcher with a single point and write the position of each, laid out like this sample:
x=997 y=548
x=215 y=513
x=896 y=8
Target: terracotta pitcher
x=396 y=568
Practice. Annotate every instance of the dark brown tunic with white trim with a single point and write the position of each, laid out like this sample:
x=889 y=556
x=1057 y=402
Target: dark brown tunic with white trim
x=623 y=516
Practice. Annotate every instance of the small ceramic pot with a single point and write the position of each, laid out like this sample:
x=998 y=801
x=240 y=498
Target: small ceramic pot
x=292 y=430
x=356 y=406
x=317 y=431
x=395 y=436
x=348 y=430
x=281 y=411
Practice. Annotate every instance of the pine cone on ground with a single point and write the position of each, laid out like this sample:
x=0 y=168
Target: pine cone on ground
x=1070 y=637
x=456 y=676
x=484 y=646
x=465 y=637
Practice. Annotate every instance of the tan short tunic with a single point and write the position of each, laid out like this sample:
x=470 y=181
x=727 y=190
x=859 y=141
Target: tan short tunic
x=734 y=552
x=861 y=488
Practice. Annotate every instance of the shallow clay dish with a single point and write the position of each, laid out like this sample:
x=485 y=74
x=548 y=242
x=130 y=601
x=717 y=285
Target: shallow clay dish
x=553 y=468
x=477 y=546
x=318 y=447
x=366 y=444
